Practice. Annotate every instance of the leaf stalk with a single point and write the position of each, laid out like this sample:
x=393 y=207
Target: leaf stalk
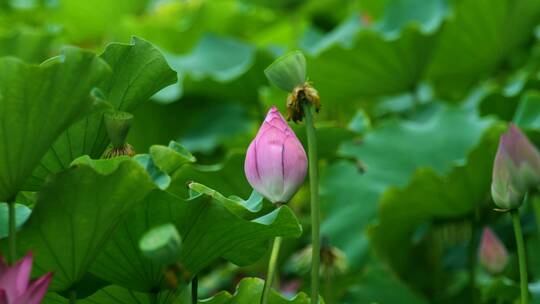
x=313 y=164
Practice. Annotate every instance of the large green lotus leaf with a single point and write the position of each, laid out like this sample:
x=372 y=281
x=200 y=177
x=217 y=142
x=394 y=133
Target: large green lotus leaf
x=163 y=161
x=229 y=123
x=343 y=35
x=349 y=197
x=217 y=58
x=172 y=157
x=76 y=212
x=38 y=102
x=374 y=284
x=27 y=44
x=226 y=177
x=218 y=66
x=188 y=123
x=117 y=295
x=399 y=13
x=528 y=111
x=139 y=70
x=430 y=196
x=329 y=137
x=100 y=17
x=249 y=291
x=21 y=215
x=210 y=228
x=374 y=65
x=477 y=39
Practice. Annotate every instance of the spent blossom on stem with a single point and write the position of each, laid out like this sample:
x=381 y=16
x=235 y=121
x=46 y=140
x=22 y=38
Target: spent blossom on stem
x=15 y=284
x=493 y=255
x=276 y=162
x=516 y=169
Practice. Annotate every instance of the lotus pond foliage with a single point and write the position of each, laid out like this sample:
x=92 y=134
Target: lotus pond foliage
x=272 y=152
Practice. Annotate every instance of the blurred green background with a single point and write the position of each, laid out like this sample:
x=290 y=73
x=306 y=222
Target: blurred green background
x=414 y=94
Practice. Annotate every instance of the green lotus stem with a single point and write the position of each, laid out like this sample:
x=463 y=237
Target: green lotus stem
x=271 y=273
x=536 y=208
x=12 y=231
x=523 y=277
x=195 y=290
x=72 y=296
x=473 y=257
x=313 y=164
x=328 y=288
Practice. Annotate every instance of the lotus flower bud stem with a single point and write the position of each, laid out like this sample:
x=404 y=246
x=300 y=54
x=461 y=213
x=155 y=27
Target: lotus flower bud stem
x=314 y=192
x=12 y=238
x=523 y=276
x=271 y=273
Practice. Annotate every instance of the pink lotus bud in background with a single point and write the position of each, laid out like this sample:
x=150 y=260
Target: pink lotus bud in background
x=15 y=285
x=516 y=169
x=276 y=162
x=493 y=255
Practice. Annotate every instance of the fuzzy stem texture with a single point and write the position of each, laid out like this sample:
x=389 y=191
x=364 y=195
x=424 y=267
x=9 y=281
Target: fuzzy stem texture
x=523 y=277
x=272 y=265
x=12 y=231
x=313 y=164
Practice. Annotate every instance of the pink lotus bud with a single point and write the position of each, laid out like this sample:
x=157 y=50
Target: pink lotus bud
x=15 y=285
x=493 y=255
x=276 y=162
x=516 y=169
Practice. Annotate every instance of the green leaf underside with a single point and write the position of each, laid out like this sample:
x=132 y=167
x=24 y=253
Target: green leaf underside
x=208 y=228
x=21 y=215
x=222 y=176
x=433 y=197
x=374 y=66
x=374 y=285
x=345 y=190
x=27 y=44
x=36 y=104
x=76 y=213
x=139 y=71
x=249 y=291
x=218 y=58
x=117 y=295
x=417 y=41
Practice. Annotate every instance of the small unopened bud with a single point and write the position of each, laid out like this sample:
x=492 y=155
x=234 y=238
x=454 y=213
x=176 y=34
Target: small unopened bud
x=118 y=124
x=162 y=244
x=493 y=255
x=516 y=169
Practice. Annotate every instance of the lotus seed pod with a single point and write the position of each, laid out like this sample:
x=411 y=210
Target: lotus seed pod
x=162 y=244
